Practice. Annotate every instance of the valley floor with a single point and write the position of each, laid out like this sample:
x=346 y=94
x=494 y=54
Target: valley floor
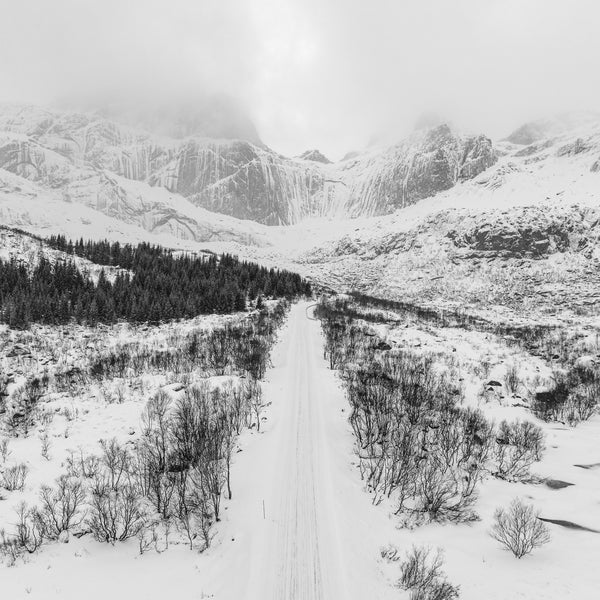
x=301 y=527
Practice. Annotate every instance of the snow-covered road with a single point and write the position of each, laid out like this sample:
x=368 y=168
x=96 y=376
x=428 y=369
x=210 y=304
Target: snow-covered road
x=304 y=558
x=312 y=540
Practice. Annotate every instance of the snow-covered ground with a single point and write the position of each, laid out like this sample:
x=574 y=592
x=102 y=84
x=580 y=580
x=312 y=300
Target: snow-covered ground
x=300 y=525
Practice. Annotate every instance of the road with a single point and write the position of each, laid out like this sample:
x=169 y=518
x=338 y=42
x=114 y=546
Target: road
x=300 y=526
x=299 y=555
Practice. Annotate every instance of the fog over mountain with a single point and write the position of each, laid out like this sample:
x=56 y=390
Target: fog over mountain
x=327 y=75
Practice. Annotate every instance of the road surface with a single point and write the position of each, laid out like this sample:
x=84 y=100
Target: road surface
x=299 y=555
x=300 y=526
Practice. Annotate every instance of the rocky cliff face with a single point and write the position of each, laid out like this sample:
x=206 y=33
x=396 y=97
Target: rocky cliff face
x=529 y=232
x=429 y=162
x=233 y=177
x=239 y=179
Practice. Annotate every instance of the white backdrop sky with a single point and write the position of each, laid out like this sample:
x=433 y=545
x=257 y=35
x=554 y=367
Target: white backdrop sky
x=326 y=74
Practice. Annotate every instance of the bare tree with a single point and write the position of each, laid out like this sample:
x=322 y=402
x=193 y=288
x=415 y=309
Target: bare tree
x=29 y=535
x=61 y=507
x=117 y=462
x=519 y=528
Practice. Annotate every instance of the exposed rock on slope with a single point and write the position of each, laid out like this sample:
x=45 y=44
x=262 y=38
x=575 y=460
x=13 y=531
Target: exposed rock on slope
x=429 y=162
x=530 y=232
x=60 y=150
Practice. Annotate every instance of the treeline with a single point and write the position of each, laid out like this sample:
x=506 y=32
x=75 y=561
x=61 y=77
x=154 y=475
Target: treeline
x=153 y=284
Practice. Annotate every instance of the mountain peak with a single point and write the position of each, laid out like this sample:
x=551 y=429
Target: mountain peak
x=316 y=156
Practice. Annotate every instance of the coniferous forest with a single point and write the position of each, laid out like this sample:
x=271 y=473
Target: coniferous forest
x=154 y=284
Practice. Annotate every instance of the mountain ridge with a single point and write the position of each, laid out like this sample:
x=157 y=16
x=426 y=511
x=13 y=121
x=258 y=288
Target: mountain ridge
x=60 y=150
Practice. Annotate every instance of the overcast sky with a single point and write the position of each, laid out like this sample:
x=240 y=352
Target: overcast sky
x=315 y=73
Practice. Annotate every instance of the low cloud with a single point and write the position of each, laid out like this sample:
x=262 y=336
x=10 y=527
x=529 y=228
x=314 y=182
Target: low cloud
x=329 y=74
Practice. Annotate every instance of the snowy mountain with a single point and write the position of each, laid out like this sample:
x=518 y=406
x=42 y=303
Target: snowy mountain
x=522 y=236
x=87 y=159
x=437 y=217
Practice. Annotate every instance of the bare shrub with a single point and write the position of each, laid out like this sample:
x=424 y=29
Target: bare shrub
x=28 y=536
x=115 y=514
x=45 y=445
x=512 y=378
x=519 y=529
x=25 y=404
x=82 y=465
x=154 y=455
x=413 y=439
x=421 y=573
x=573 y=397
x=9 y=548
x=117 y=462
x=194 y=508
x=582 y=402
x=256 y=403
x=518 y=445
x=13 y=478
x=549 y=405
x=4 y=450
x=61 y=507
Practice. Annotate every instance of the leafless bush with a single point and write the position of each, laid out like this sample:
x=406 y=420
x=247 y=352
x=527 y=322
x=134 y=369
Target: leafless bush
x=116 y=462
x=422 y=575
x=256 y=403
x=28 y=536
x=45 y=445
x=61 y=507
x=4 y=450
x=115 y=514
x=25 y=404
x=9 y=548
x=518 y=445
x=194 y=511
x=413 y=440
x=512 y=378
x=582 y=403
x=82 y=465
x=155 y=473
x=573 y=397
x=549 y=405
x=13 y=478
x=149 y=537
x=519 y=529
